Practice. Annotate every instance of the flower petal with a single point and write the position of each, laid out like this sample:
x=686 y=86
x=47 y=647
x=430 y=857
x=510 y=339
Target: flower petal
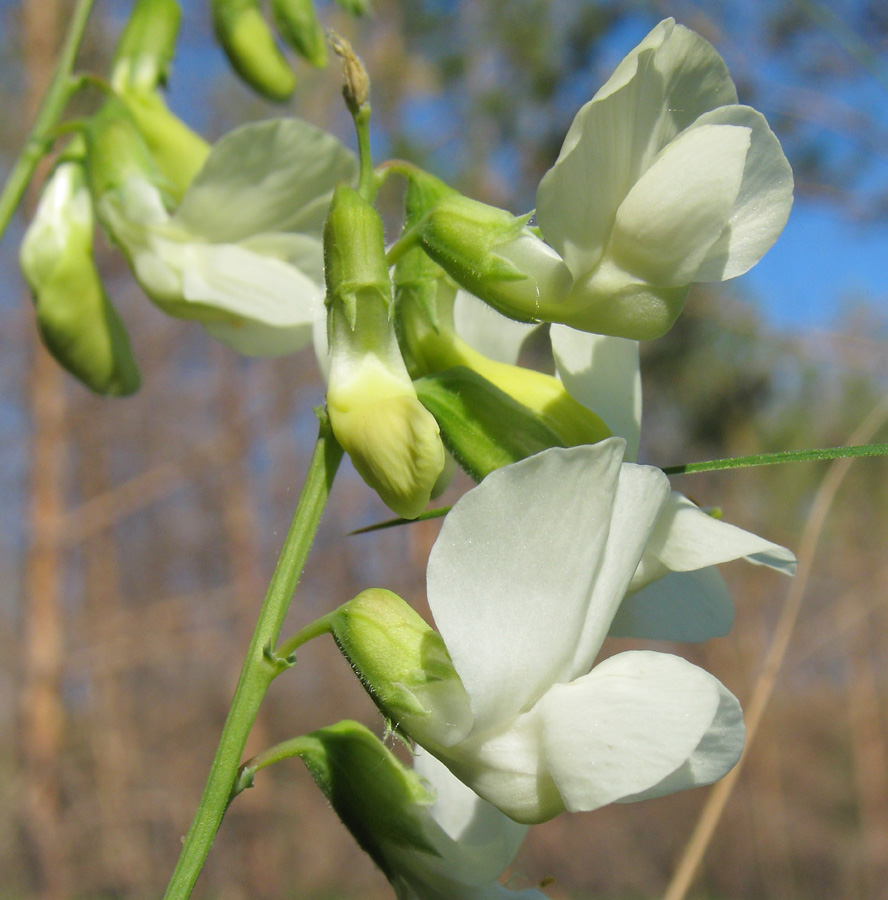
x=676 y=211
x=716 y=754
x=671 y=78
x=681 y=606
x=636 y=719
x=485 y=840
x=510 y=614
x=762 y=206
x=267 y=176
x=603 y=374
x=487 y=331
x=686 y=538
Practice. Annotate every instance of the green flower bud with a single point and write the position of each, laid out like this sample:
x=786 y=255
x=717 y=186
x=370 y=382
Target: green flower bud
x=146 y=46
x=483 y=427
x=379 y=800
x=405 y=667
x=393 y=441
x=298 y=25
x=249 y=45
x=492 y=254
x=117 y=154
x=77 y=322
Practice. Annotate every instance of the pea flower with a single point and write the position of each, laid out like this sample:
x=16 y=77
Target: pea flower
x=524 y=581
x=429 y=834
x=242 y=253
x=663 y=180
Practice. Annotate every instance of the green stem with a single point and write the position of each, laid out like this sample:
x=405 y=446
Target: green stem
x=367 y=183
x=288 y=647
x=285 y=750
x=784 y=456
x=260 y=667
x=42 y=134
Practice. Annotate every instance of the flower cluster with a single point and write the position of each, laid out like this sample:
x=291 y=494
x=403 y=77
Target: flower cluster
x=270 y=239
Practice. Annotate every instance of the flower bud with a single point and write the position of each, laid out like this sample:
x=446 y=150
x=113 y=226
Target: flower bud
x=492 y=254
x=146 y=46
x=357 y=7
x=77 y=322
x=393 y=441
x=249 y=45
x=404 y=665
x=298 y=25
x=381 y=802
x=482 y=427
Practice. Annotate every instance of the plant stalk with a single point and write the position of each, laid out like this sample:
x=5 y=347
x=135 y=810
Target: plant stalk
x=260 y=667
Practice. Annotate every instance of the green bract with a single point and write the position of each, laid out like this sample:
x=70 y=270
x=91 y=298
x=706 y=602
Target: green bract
x=663 y=180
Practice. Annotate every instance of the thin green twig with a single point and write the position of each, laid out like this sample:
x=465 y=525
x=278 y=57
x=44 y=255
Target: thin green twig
x=711 y=465
x=42 y=134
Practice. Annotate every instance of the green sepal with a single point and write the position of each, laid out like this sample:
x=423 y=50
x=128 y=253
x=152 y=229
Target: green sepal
x=403 y=664
x=250 y=47
x=298 y=25
x=377 y=798
x=463 y=234
x=354 y=253
x=146 y=46
x=416 y=278
x=483 y=427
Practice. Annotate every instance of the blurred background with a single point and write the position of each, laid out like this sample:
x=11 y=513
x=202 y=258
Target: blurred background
x=137 y=535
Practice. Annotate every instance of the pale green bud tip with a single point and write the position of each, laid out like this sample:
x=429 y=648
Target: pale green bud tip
x=393 y=441
x=249 y=45
x=354 y=251
x=404 y=666
x=146 y=45
x=379 y=800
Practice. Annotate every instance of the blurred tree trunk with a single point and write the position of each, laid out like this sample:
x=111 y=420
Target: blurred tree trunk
x=42 y=711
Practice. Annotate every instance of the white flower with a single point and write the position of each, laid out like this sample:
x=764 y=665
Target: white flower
x=663 y=180
x=242 y=253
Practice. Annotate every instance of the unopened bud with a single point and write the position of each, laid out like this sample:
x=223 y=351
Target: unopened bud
x=249 y=45
x=298 y=25
x=356 y=89
x=146 y=46
x=405 y=667
x=77 y=322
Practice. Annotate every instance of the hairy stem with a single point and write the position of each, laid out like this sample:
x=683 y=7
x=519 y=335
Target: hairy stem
x=261 y=666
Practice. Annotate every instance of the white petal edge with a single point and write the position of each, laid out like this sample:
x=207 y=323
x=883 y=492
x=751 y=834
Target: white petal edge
x=686 y=538
x=717 y=753
x=603 y=374
x=762 y=205
x=636 y=719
